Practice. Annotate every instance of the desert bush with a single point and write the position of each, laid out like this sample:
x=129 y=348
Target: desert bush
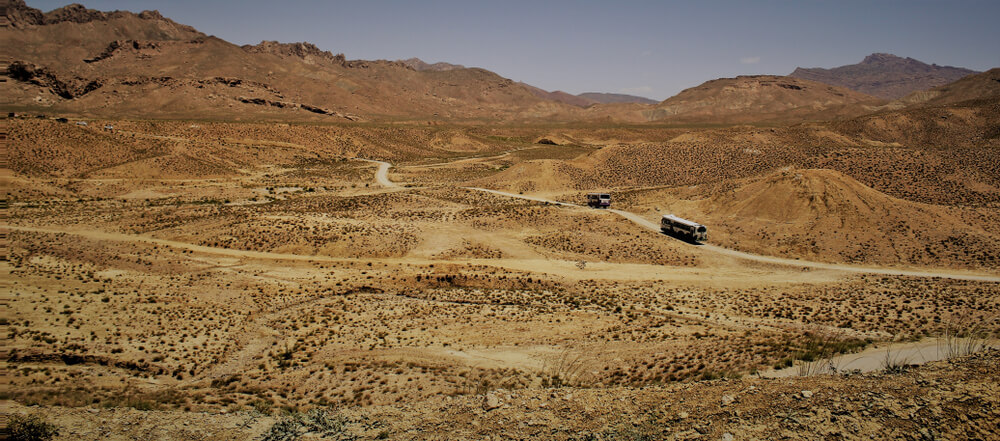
x=30 y=428
x=966 y=335
x=644 y=428
x=894 y=364
x=296 y=424
x=568 y=368
x=819 y=353
x=284 y=430
x=263 y=407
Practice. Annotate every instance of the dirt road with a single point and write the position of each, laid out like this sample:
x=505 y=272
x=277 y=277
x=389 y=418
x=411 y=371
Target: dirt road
x=382 y=174
x=561 y=268
x=654 y=227
x=886 y=355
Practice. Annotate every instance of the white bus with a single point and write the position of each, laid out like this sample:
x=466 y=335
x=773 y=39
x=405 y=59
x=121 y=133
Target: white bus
x=694 y=231
x=598 y=200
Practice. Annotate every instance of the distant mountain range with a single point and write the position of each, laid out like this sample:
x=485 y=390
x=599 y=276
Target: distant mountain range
x=420 y=65
x=972 y=87
x=588 y=98
x=885 y=75
x=614 y=98
x=581 y=100
x=76 y=61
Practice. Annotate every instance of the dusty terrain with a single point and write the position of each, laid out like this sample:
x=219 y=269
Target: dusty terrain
x=279 y=243
x=230 y=267
x=942 y=400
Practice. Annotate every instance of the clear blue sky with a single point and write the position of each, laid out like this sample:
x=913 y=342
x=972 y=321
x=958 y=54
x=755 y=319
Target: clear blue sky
x=649 y=48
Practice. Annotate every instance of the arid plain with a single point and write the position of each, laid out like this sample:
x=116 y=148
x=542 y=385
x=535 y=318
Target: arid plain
x=278 y=243
x=263 y=266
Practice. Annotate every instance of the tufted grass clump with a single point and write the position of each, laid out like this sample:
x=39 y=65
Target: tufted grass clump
x=30 y=428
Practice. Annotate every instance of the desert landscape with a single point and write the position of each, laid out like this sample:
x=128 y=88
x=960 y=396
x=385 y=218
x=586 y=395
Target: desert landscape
x=239 y=250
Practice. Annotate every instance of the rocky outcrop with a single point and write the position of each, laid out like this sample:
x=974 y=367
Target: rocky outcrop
x=76 y=13
x=19 y=15
x=120 y=45
x=306 y=107
x=310 y=53
x=419 y=65
x=39 y=75
x=303 y=50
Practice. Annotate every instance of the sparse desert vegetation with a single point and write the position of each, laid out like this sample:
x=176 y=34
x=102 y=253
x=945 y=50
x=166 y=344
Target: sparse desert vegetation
x=271 y=242
x=294 y=281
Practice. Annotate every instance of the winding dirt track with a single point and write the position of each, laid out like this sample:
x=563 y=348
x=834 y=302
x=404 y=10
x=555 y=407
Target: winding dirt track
x=561 y=268
x=652 y=226
x=382 y=174
x=382 y=178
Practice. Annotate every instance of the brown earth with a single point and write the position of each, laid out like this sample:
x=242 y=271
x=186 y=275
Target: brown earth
x=818 y=213
x=559 y=96
x=218 y=266
x=763 y=98
x=207 y=278
x=134 y=65
x=943 y=400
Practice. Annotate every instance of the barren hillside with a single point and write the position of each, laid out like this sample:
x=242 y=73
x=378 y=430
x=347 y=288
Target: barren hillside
x=762 y=98
x=131 y=65
x=819 y=214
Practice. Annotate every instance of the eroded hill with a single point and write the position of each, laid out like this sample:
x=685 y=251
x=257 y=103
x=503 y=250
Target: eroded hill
x=143 y=65
x=763 y=98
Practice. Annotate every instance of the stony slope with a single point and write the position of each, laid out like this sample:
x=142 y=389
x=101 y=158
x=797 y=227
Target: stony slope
x=885 y=75
x=970 y=122
x=141 y=65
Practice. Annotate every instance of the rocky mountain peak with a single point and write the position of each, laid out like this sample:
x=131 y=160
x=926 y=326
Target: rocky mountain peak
x=885 y=75
x=151 y=15
x=881 y=58
x=19 y=14
x=75 y=13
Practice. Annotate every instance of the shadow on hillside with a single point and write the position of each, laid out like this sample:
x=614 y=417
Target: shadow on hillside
x=681 y=238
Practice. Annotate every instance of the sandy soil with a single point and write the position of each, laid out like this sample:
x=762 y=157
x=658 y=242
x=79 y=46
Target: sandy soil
x=175 y=268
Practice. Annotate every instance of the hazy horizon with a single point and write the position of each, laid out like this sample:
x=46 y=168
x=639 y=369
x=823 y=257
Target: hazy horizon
x=643 y=48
